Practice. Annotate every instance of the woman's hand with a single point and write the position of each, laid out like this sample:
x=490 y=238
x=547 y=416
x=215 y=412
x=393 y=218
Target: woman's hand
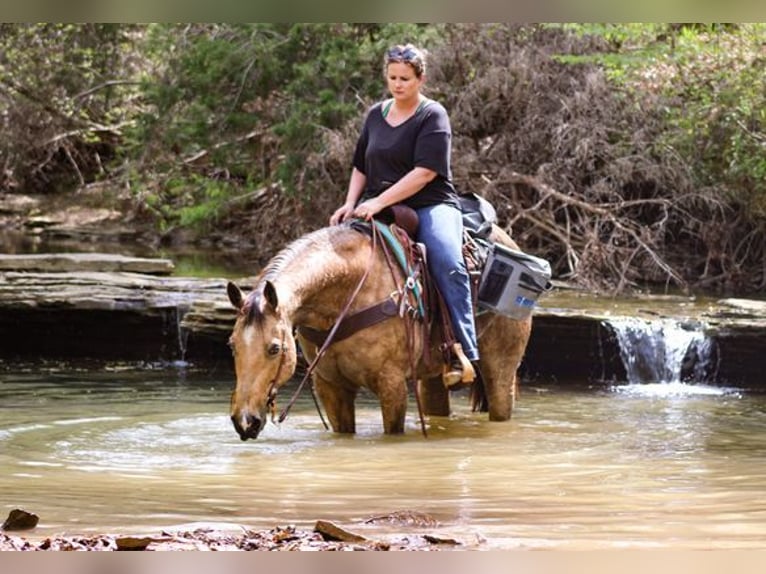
x=368 y=208
x=341 y=214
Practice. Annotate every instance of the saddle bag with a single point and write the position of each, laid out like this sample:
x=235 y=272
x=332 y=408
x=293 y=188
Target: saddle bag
x=512 y=281
x=478 y=215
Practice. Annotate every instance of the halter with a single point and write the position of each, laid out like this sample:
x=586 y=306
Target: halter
x=271 y=395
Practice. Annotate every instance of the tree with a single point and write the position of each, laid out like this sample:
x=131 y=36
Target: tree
x=63 y=95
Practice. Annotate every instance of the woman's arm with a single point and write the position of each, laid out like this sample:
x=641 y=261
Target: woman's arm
x=408 y=186
x=355 y=189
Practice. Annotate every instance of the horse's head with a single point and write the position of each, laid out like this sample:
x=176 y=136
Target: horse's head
x=264 y=356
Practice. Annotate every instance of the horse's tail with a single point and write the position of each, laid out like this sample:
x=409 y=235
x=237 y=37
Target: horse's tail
x=479 y=400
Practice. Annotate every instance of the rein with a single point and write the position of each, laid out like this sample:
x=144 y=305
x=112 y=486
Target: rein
x=330 y=337
x=408 y=319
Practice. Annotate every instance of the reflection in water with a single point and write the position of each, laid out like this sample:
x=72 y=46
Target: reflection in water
x=136 y=450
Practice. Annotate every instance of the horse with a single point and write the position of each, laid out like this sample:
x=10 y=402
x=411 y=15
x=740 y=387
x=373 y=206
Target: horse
x=306 y=285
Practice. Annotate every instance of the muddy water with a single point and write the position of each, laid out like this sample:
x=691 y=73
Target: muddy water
x=137 y=449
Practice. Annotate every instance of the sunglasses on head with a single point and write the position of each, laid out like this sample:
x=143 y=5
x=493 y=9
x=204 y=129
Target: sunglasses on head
x=403 y=54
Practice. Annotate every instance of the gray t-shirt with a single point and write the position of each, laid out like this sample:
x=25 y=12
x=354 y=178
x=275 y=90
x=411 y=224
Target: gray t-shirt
x=385 y=154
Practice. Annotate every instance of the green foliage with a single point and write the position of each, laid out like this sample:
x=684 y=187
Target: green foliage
x=202 y=214
x=189 y=119
x=254 y=99
x=709 y=81
x=64 y=90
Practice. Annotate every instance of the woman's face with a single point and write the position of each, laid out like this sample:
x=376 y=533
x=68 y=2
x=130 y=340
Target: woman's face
x=402 y=81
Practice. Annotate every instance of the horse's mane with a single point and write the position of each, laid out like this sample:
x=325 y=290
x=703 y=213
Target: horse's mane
x=295 y=250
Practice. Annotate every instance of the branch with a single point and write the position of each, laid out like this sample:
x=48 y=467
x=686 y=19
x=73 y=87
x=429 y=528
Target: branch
x=202 y=153
x=92 y=127
x=626 y=227
x=107 y=84
x=757 y=137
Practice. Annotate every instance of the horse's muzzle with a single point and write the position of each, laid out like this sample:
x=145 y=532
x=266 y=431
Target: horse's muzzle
x=247 y=426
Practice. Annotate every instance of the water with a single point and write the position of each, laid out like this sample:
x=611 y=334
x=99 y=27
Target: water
x=652 y=462
x=660 y=350
x=135 y=449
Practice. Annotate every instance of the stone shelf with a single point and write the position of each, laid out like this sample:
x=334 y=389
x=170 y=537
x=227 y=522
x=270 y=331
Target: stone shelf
x=92 y=306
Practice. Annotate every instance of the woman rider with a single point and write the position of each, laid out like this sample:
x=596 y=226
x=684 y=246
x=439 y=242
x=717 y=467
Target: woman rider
x=403 y=156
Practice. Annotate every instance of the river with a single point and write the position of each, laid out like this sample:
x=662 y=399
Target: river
x=140 y=448
x=137 y=448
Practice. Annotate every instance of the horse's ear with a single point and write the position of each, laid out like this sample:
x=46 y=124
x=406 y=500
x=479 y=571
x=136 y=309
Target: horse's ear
x=235 y=295
x=270 y=292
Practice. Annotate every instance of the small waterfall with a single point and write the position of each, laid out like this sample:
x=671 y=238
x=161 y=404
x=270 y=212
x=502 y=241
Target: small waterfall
x=183 y=334
x=663 y=350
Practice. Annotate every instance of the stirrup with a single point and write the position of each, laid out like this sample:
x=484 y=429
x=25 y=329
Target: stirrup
x=461 y=373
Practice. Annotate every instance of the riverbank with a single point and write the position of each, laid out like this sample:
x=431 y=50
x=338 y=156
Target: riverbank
x=324 y=537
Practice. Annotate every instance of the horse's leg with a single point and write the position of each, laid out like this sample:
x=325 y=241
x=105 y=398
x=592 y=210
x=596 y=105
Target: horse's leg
x=499 y=389
x=502 y=343
x=392 y=394
x=434 y=397
x=502 y=347
x=338 y=402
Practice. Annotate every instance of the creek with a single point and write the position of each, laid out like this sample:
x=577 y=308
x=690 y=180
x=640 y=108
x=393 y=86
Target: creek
x=138 y=448
x=652 y=461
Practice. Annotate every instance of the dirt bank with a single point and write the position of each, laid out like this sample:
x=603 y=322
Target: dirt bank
x=324 y=537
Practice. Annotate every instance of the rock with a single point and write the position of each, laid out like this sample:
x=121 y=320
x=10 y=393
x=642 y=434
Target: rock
x=134 y=542
x=14 y=204
x=76 y=219
x=75 y=262
x=19 y=519
x=82 y=311
x=439 y=540
x=748 y=307
x=281 y=539
x=571 y=348
x=99 y=315
x=333 y=532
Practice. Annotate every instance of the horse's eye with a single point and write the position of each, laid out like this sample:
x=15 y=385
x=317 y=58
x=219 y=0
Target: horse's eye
x=274 y=349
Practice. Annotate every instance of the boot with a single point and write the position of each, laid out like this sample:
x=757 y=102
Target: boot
x=460 y=372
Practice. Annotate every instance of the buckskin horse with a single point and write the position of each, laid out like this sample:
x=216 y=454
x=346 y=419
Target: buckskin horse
x=304 y=288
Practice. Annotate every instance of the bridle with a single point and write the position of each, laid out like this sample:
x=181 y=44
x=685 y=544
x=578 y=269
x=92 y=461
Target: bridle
x=271 y=394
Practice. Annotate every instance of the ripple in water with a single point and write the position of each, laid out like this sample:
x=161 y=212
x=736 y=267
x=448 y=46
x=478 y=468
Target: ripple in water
x=203 y=444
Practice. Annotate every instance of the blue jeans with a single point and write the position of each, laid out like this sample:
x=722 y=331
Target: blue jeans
x=441 y=230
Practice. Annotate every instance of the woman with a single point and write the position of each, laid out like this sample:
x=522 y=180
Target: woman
x=403 y=156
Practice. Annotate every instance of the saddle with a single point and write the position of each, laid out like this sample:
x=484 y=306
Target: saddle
x=478 y=218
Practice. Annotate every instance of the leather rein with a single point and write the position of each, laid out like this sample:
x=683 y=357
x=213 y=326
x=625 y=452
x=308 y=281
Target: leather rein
x=320 y=353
